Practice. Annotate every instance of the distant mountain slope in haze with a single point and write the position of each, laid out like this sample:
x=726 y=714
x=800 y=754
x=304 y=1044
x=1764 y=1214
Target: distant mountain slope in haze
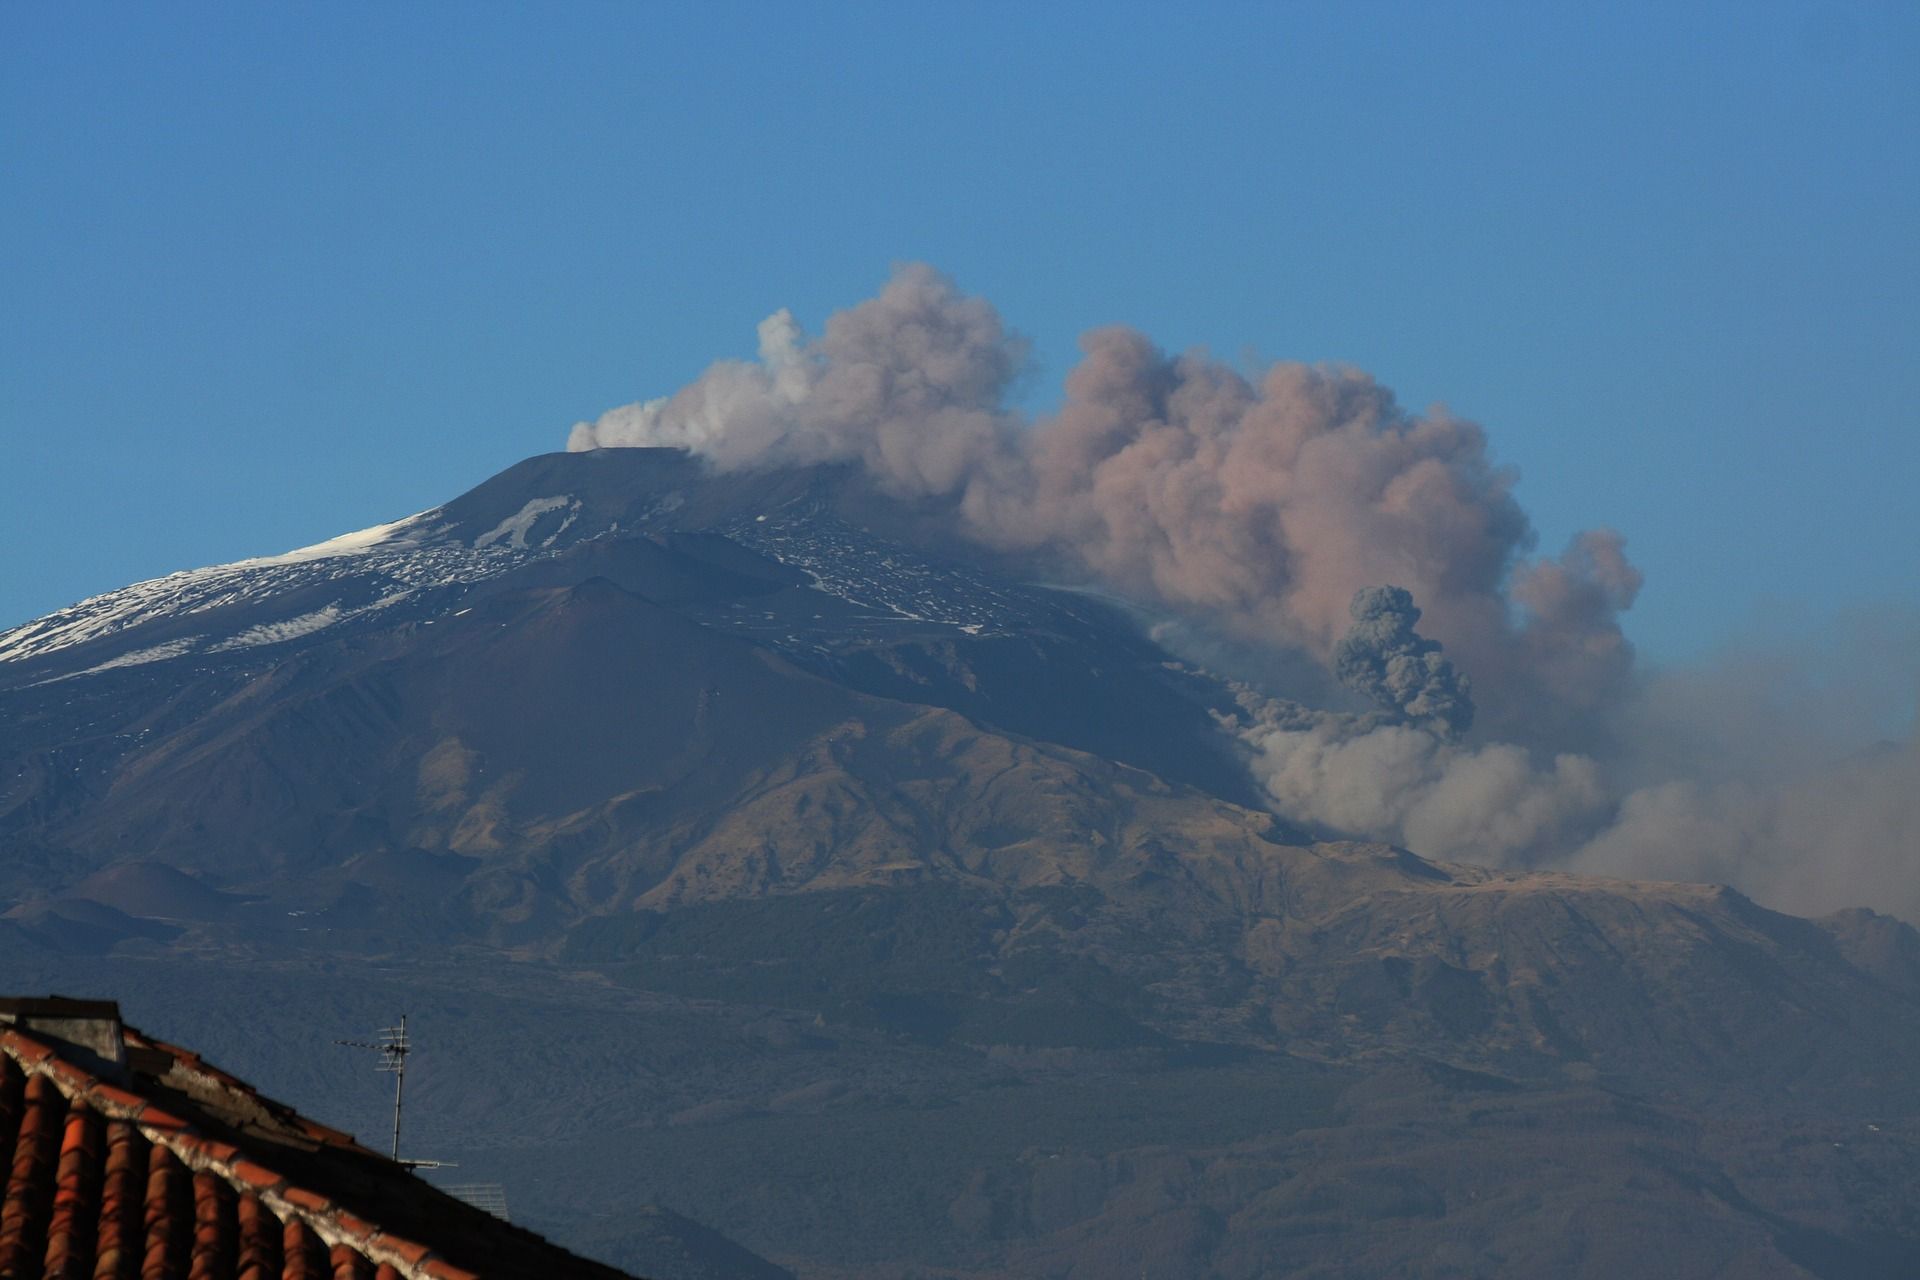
x=864 y=834
x=767 y=558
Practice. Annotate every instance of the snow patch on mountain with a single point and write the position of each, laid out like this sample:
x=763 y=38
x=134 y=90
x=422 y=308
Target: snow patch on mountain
x=290 y=629
x=388 y=572
x=214 y=587
x=359 y=543
x=515 y=529
x=879 y=587
x=133 y=658
x=152 y=653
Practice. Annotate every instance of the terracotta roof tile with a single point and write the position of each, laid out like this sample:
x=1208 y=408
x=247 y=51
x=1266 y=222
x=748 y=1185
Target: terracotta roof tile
x=72 y=1079
x=349 y=1263
x=439 y=1270
x=197 y=1151
x=111 y=1098
x=122 y=1193
x=406 y=1250
x=154 y=1118
x=301 y=1198
x=259 y=1241
x=149 y=1174
x=30 y=1180
x=70 y=1234
x=213 y=1229
x=257 y=1176
x=26 y=1051
x=168 y=1217
x=300 y=1249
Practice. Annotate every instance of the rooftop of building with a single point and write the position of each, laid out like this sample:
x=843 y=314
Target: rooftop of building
x=129 y=1157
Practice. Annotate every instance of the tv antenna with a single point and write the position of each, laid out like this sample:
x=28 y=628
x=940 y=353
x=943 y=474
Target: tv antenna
x=393 y=1046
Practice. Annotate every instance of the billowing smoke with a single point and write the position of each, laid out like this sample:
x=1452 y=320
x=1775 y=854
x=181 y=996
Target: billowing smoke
x=1263 y=512
x=1847 y=834
x=1749 y=771
x=1406 y=784
x=1259 y=505
x=910 y=384
x=1382 y=658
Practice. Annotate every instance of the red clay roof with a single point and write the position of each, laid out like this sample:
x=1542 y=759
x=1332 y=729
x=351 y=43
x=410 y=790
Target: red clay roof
x=128 y=1158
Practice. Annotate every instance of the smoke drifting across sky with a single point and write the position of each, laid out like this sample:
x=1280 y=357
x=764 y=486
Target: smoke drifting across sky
x=1259 y=506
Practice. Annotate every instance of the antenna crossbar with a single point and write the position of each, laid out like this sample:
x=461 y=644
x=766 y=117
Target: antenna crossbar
x=393 y=1046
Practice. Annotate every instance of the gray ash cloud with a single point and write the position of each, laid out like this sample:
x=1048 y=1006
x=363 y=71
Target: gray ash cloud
x=1384 y=659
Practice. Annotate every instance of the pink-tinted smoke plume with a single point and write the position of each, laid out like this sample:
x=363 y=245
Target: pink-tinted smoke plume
x=1259 y=505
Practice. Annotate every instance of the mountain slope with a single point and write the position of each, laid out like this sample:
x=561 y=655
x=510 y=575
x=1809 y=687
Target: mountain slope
x=937 y=889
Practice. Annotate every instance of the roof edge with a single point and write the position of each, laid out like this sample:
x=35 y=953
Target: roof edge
x=332 y=1223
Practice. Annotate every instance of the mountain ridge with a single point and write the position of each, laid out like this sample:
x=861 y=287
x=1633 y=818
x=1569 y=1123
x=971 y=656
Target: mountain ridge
x=744 y=750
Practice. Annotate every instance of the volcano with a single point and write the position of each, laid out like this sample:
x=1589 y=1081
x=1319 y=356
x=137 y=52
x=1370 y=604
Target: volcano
x=756 y=850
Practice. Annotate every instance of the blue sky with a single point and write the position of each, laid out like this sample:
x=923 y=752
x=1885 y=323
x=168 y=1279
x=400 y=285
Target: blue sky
x=274 y=272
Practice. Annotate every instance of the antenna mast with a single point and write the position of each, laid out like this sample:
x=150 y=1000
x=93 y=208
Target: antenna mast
x=393 y=1047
